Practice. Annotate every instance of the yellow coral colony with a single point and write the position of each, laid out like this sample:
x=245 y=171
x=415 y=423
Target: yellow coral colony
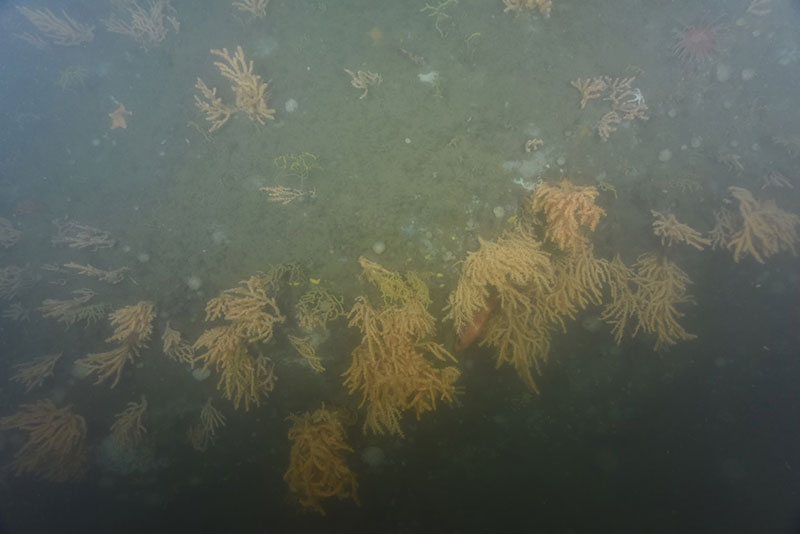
x=133 y=326
x=505 y=275
x=566 y=208
x=33 y=374
x=525 y=291
x=63 y=32
x=80 y=236
x=519 y=6
x=579 y=280
x=518 y=293
x=724 y=227
x=202 y=435
x=112 y=277
x=662 y=286
x=176 y=348
x=627 y=102
x=316 y=307
x=667 y=227
x=12 y=280
x=647 y=295
x=8 y=234
x=304 y=347
x=763 y=228
x=286 y=195
x=317 y=467
x=128 y=428
x=217 y=113
x=251 y=314
x=56 y=446
x=148 y=27
x=624 y=305
x=66 y=311
x=313 y=311
x=590 y=88
x=252 y=95
x=568 y=213
x=256 y=8
x=389 y=367
x=363 y=79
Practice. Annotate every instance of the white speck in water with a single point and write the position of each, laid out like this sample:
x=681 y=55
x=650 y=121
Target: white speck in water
x=429 y=77
x=291 y=105
x=378 y=247
x=194 y=282
x=748 y=74
x=200 y=374
x=723 y=72
x=219 y=237
x=665 y=155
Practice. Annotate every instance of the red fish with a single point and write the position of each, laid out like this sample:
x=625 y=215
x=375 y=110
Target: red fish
x=476 y=327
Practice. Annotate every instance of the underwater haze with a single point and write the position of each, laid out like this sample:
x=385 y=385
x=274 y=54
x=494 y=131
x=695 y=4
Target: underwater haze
x=443 y=266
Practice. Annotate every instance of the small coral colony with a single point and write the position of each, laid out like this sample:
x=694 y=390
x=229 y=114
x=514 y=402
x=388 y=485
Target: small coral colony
x=512 y=294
